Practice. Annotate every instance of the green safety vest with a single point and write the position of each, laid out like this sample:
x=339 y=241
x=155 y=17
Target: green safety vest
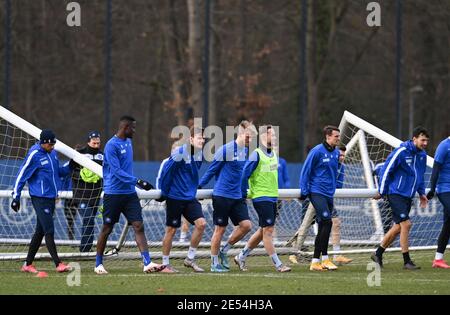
x=89 y=176
x=264 y=180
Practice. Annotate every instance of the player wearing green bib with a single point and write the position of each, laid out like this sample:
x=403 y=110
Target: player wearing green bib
x=260 y=175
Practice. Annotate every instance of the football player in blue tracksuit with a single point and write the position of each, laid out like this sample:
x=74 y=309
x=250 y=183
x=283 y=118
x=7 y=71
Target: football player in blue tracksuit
x=42 y=172
x=178 y=181
x=403 y=176
x=120 y=194
x=440 y=183
x=318 y=182
x=227 y=167
x=309 y=218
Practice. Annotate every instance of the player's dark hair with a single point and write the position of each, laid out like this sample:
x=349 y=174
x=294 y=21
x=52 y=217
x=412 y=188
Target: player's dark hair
x=328 y=130
x=419 y=130
x=127 y=118
x=342 y=148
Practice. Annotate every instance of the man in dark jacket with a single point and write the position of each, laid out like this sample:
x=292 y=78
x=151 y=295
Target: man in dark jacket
x=87 y=188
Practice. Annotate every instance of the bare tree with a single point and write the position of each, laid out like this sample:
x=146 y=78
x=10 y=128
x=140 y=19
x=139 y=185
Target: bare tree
x=194 y=56
x=317 y=65
x=176 y=63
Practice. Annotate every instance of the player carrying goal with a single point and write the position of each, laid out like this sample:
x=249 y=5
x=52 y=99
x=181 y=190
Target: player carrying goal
x=120 y=194
x=318 y=183
x=402 y=177
x=178 y=180
x=228 y=203
x=298 y=239
x=260 y=174
x=42 y=172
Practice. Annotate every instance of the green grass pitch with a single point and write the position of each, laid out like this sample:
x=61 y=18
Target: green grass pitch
x=126 y=277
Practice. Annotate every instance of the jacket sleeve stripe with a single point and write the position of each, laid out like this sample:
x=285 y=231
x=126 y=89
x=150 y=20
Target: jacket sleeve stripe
x=386 y=172
x=27 y=163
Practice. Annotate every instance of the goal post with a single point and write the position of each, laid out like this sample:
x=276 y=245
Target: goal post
x=361 y=216
x=62 y=148
x=349 y=119
x=367 y=146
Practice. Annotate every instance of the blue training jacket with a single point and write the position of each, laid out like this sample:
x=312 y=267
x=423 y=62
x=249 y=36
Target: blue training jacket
x=283 y=177
x=118 y=176
x=43 y=173
x=403 y=171
x=442 y=157
x=320 y=171
x=178 y=175
x=227 y=168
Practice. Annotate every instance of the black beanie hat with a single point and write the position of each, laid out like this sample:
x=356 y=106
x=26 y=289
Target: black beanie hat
x=47 y=136
x=93 y=134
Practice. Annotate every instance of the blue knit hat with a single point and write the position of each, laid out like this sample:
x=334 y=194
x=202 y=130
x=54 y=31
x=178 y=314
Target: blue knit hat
x=47 y=136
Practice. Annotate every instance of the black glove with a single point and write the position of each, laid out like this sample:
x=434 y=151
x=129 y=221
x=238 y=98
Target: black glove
x=15 y=205
x=303 y=197
x=161 y=199
x=199 y=187
x=430 y=194
x=144 y=185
